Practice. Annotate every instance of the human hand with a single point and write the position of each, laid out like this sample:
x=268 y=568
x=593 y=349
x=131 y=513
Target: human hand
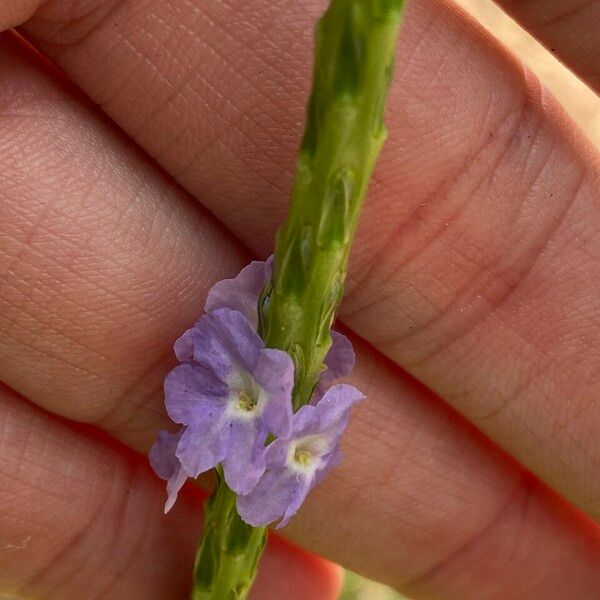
x=475 y=275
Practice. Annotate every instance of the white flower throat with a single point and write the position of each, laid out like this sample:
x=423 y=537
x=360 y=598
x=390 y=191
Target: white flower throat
x=304 y=455
x=246 y=398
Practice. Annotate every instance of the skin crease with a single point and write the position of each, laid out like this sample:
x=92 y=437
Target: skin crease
x=105 y=260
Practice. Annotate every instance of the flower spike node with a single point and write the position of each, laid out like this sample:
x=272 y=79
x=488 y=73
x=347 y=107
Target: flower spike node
x=231 y=393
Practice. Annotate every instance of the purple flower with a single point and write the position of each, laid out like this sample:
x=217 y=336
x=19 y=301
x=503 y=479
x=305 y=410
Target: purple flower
x=230 y=392
x=229 y=396
x=242 y=292
x=295 y=464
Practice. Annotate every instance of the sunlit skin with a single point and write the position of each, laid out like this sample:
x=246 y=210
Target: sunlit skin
x=473 y=297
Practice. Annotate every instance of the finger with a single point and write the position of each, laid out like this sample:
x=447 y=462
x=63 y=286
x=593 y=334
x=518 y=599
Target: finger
x=82 y=519
x=481 y=278
x=15 y=12
x=417 y=486
x=568 y=29
x=86 y=254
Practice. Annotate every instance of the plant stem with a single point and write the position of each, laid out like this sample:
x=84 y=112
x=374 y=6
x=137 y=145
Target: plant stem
x=229 y=550
x=355 y=46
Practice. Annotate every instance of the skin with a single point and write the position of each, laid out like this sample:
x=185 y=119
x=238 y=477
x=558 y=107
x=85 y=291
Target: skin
x=160 y=159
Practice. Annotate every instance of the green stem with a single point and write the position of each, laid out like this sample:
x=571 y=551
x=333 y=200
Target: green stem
x=229 y=550
x=355 y=46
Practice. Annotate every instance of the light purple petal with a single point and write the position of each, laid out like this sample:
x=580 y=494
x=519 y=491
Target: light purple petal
x=339 y=362
x=193 y=393
x=225 y=340
x=166 y=464
x=276 y=453
x=242 y=292
x=278 y=493
x=274 y=373
x=162 y=454
x=299 y=491
x=303 y=420
x=245 y=460
x=340 y=358
x=331 y=461
x=175 y=483
x=184 y=346
x=317 y=394
x=330 y=416
x=305 y=424
x=203 y=446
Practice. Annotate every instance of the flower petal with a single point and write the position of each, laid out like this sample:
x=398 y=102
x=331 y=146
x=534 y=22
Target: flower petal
x=203 y=446
x=175 y=483
x=245 y=460
x=307 y=430
x=184 y=346
x=166 y=464
x=274 y=373
x=276 y=454
x=224 y=340
x=279 y=493
x=242 y=292
x=339 y=362
x=331 y=414
x=299 y=491
x=340 y=358
x=331 y=461
x=162 y=454
x=193 y=394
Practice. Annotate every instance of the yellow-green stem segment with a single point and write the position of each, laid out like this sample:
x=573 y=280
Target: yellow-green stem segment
x=229 y=550
x=355 y=46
